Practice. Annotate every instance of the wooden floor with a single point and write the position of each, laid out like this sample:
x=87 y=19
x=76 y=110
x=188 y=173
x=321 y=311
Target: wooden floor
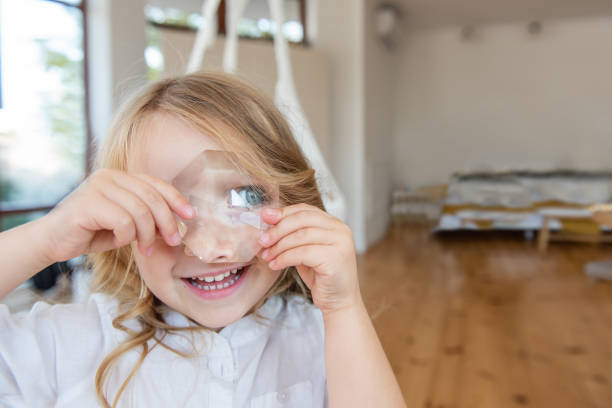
x=490 y=322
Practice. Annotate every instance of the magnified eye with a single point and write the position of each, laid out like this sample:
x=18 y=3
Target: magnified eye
x=247 y=197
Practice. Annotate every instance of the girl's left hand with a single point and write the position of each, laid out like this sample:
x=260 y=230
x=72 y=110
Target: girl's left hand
x=321 y=247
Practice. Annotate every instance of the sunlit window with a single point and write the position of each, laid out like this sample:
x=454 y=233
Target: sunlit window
x=255 y=24
x=43 y=132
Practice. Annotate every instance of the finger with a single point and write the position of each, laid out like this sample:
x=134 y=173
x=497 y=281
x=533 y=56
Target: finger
x=304 y=236
x=174 y=198
x=158 y=206
x=139 y=212
x=110 y=216
x=292 y=209
x=293 y=222
x=273 y=215
x=307 y=255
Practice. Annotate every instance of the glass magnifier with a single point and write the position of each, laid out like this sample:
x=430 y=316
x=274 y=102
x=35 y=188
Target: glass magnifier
x=228 y=203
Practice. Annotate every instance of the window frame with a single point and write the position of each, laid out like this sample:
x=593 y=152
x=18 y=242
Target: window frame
x=8 y=209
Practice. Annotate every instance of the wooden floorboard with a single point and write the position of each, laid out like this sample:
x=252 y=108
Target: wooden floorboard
x=488 y=321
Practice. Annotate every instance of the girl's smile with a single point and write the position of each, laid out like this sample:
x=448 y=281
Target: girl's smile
x=216 y=285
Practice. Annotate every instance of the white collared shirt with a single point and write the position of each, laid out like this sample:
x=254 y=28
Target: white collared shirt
x=49 y=357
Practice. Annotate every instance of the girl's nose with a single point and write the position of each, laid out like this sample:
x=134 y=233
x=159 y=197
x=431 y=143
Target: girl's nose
x=210 y=245
x=212 y=254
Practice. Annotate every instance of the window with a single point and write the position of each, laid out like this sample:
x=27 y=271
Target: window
x=255 y=24
x=44 y=142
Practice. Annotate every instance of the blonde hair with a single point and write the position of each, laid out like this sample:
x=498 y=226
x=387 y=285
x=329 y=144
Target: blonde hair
x=264 y=146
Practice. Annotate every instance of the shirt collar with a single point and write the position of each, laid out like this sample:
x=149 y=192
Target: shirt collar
x=243 y=330
x=249 y=327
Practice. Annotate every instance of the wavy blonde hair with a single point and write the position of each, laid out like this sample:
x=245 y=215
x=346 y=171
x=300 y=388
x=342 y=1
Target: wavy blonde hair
x=265 y=147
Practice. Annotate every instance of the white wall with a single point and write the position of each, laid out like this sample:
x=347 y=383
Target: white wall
x=380 y=72
x=116 y=44
x=505 y=99
x=362 y=81
x=340 y=33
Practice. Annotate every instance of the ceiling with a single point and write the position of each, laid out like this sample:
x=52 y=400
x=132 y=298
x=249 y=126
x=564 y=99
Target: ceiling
x=427 y=13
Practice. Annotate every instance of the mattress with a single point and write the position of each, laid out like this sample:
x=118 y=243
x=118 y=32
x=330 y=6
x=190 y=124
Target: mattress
x=521 y=200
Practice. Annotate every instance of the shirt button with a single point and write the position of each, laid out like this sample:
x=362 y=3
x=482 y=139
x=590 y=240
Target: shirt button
x=282 y=397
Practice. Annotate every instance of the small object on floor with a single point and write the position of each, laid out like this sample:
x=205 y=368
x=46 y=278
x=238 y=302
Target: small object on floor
x=601 y=270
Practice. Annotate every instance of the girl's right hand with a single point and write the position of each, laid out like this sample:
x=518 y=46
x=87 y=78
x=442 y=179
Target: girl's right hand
x=111 y=209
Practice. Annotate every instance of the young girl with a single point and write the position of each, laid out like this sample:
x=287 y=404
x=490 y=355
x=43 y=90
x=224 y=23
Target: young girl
x=147 y=336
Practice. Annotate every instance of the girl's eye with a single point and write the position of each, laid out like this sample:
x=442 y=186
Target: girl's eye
x=247 y=197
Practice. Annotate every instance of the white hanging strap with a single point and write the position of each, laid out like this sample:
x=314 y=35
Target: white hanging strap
x=288 y=103
x=286 y=98
x=235 y=10
x=206 y=35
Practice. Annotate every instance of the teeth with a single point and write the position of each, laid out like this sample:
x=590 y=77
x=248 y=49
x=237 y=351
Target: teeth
x=200 y=282
x=219 y=277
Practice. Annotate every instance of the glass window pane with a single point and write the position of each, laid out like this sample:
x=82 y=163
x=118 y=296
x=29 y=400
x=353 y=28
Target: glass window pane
x=42 y=120
x=255 y=23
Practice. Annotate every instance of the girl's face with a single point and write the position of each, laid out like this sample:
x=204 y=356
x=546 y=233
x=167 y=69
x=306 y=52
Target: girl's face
x=170 y=146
